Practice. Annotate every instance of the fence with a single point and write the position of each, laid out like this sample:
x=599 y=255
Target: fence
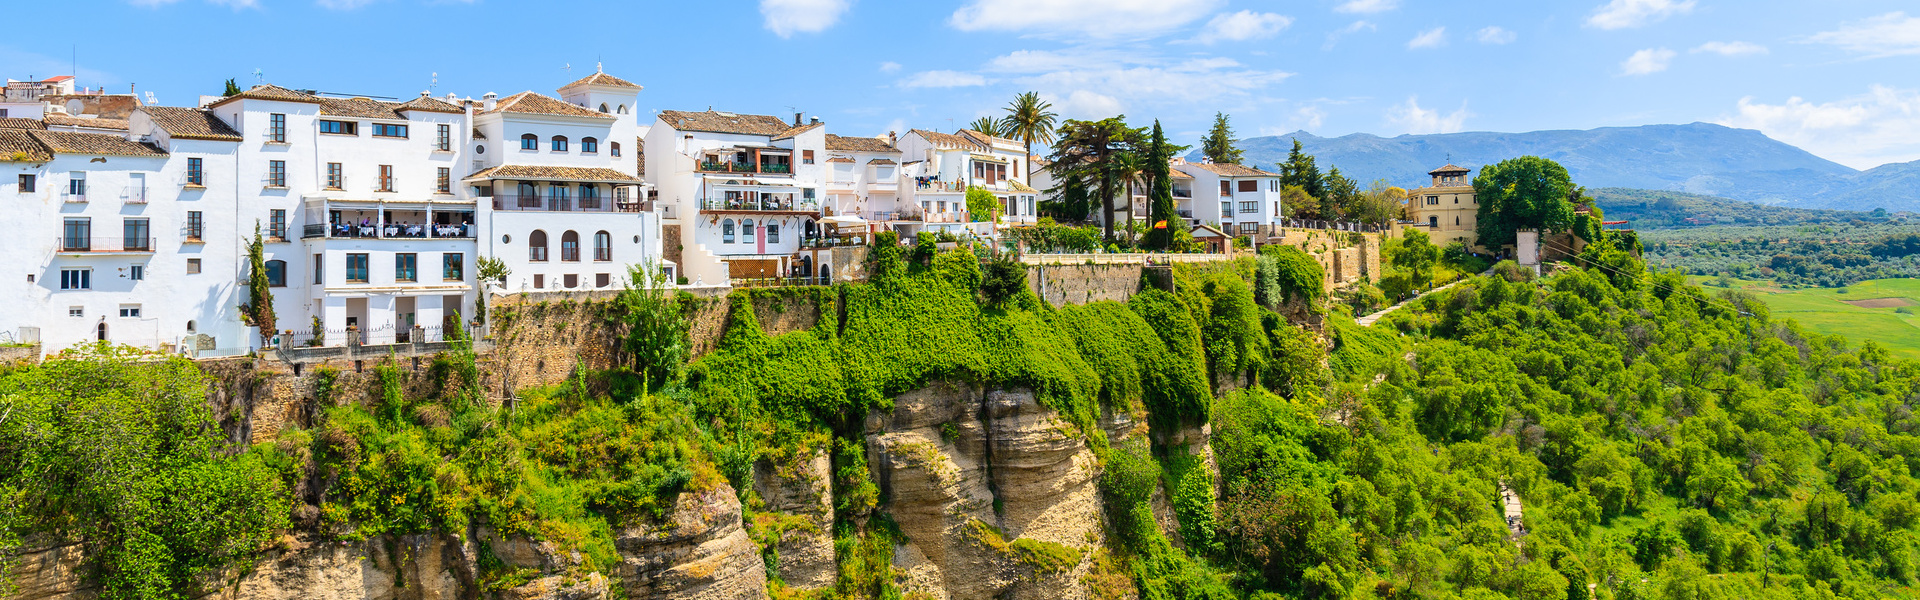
x=1120 y=259
x=352 y=344
x=1332 y=225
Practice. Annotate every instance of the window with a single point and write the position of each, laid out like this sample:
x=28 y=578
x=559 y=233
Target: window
x=559 y=143
x=76 y=279
x=357 y=268
x=726 y=231
x=614 y=148
x=572 y=280
x=557 y=196
x=77 y=185
x=336 y=176
x=602 y=246
x=529 y=195
x=130 y=311
x=539 y=282
x=1226 y=209
x=589 y=145
x=602 y=280
x=1433 y=222
x=537 y=247
x=1456 y=199
x=453 y=266
x=1433 y=200
x=621 y=110
x=443 y=138
x=406 y=266
x=1456 y=220
x=589 y=196
x=806 y=157
x=773 y=233
x=26 y=181
x=570 y=247
x=1248 y=208
x=196 y=175
x=277 y=224
x=195 y=226
x=277 y=128
x=529 y=142
x=77 y=234
x=276 y=173
x=136 y=236
x=319 y=270
x=340 y=127
x=276 y=273
x=193 y=266
x=1273 y=185
x=1226 y=188
x=386 y=178
x=603 y=107
x=746 y=230
x=137 y=273
x=1249 y=228
x=443 y=181
x=1249 y=185
x=76 y=311
x=386 y=130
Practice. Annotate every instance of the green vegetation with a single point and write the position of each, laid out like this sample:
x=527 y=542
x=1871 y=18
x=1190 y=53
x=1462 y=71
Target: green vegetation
x=982 y=206
x=258 y=311
x=1661 y=209
x=1528 y=192
x=1840 y=311
x=1817 y=255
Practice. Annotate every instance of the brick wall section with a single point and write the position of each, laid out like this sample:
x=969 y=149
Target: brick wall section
x=671 y=235
x=1061 y=285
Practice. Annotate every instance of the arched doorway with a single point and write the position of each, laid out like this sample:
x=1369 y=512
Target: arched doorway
x=100 y=332
x=826 y=274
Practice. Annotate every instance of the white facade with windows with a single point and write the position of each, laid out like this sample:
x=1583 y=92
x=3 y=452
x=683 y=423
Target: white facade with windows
x=743 y=190
x=1244 y=201
x=941 y=166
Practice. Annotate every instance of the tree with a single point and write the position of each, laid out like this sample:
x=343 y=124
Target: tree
x=1417 y=255
x=1218 y=145
x=982 y=205
x=986 y=125
x=1295 y=202
x=488 y=269
x=233 y=89
x=1159 y=175
x=1127 y=167
x=657 y=334
x=1380 y=203
x=1090 y=151
x=258 y=311
x=1342 y=194
x=1030 y=120
x=1528 y=192
x=1300 y=170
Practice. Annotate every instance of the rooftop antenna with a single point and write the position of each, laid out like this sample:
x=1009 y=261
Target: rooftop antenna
x=259 y=76
x=568 y=68
x=436 y=81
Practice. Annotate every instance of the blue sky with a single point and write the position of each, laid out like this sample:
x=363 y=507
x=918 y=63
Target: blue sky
x=1840 y=78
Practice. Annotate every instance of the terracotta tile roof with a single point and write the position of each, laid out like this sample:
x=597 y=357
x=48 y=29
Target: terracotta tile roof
x=948 y=140
x=859 y=144
x=190 y=124
x=840 y=159
x=93 y=123
x=267 y=91
x=364 y=108
x=1018 y=187
x=20 y=144
x=640 y=156
x=1233 y=170
x=477 y=135
x=799 y=129
x=106 y=106
x=602 y=79
x=535 y=172
x=988 y=140
x=724 y=122
x=17 y=123
x=64 y=142
x=1450 y=168
x=531 y=103
x=429 y=104
x=882 y=161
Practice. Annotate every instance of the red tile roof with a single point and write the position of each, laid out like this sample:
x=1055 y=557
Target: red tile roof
x=190 y=123
x=602 y=79
x=724 y=122
x=532 y=103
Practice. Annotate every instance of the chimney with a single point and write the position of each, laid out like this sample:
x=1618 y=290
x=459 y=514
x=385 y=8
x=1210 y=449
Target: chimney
x=426 y=94
x=813 y=120
x=489 y=100
x=892 y=140
x=796 y=119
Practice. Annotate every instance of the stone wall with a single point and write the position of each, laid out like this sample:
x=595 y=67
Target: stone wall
x=1346 y=257
x=19 y=354
x=673 y=249
x=1061 y=285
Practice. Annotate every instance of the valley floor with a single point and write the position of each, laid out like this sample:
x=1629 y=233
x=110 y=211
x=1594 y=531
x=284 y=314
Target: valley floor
x=1869 y=310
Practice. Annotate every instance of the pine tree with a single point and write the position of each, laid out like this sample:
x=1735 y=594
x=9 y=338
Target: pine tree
x=1218 y=145
x=1159 y=174
x=258 y=311
x=1300 y=170
x=233 y=88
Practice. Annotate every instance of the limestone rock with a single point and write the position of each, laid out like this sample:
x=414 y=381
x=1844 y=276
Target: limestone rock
x=701 y=553
x=802 y=487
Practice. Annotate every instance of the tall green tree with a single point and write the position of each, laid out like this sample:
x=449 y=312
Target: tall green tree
x=1417 y=256
x=657 y=344
x=1159 y=179
x=1301 y=170
x=258 y=311
x=1091 y=151
x=1030 y=120
x=1218 y=145
x=233 y=88
x=1341 y=195
x=1528 y=192
x=986 y=125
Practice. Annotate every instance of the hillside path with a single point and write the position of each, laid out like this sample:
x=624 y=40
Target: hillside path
x=1369 y=320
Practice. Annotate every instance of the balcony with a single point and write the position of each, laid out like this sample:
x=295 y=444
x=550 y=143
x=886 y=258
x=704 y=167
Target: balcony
x=82 y=245
x=889 y=215
x=74 y=198
x=771 y=203
x=134 y=195
x=736 y=167
x=603 y=255
x=518 y=203
x=940 y=186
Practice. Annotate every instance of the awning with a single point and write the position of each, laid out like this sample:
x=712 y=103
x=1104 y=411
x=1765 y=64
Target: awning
x=989 y=158
x=845 y=221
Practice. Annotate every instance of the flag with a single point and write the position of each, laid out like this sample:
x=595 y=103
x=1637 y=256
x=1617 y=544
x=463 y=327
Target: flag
x=1160 y=225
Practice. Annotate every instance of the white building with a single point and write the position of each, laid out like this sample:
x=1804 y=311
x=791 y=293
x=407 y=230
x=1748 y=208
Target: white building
x=743 y=190
x=941 y=166
x=863 y=181
x=1244 y=201
x=564 y=206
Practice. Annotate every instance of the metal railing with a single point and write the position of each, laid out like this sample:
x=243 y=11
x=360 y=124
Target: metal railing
x=739 y=167
x=569 y=254
x=518 y=203
x=102 y=244
x=71 y=197
x=134 y=195
x=390 y=231
x=837 y=241
x=752 y=282
x=602 y=254
x=802 y=205
x=1331 y=225
x=940 y=186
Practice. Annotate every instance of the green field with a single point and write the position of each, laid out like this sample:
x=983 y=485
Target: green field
x=1825 y=310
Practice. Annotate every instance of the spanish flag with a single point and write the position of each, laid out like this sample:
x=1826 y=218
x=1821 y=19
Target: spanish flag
x=1160 y=225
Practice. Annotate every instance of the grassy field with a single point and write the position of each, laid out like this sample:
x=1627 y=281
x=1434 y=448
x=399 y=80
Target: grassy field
x=1826 y=310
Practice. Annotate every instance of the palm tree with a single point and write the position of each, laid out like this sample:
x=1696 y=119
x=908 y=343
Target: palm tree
x=986 y=125
x=1127 y=168
x=1029 y=119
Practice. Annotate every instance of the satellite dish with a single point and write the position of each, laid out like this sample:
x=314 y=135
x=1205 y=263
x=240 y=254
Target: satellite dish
x=151 y=100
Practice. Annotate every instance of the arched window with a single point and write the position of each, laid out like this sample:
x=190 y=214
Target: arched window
x=100 y=332
x=276 y=273
x=603 y=246
x=1433 y=222
x=537 y=246
x=559 y=143
x=726 y=231
x=603 y=107
x=810 y=229
x=589 y=145
x=529 y=142
x=570 y=246
x=746 y=230
x=615 y=148
x=623 y=109
x=773 y=232
x=191 y=326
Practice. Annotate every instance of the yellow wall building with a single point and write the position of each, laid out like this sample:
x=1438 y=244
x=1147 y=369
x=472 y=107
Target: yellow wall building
x=1446 y=209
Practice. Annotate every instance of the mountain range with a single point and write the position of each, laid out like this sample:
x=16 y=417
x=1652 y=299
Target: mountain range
x=1697 y=158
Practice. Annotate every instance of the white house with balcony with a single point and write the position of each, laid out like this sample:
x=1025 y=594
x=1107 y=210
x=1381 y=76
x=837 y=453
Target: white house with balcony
x=743 y=189
x=563 y=203
x=941 y=166
x=863 y=181
x=1244 y=201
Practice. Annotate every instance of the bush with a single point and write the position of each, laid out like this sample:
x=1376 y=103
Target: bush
x=1285 y=273
x=1005 y=278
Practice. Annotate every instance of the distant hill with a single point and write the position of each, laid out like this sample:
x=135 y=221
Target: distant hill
x=1698 y=158
x=1655 y=209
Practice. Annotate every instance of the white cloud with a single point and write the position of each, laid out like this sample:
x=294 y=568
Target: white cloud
x=942 y=79
x=1647 y=62
x=1731 y=48
x=1080 y=18
x=889 y=67
x=1309 y=117
x=1415 y=120
x=1865 y=131
x=1095 y=79
x=1431 y=38
x=1496 y=35
x=1366 y=7
x=1084 y=104
x=1242 y=26
x=1891 y=34
x=1624 y=14
x=787 y=17
x=1334 y=36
